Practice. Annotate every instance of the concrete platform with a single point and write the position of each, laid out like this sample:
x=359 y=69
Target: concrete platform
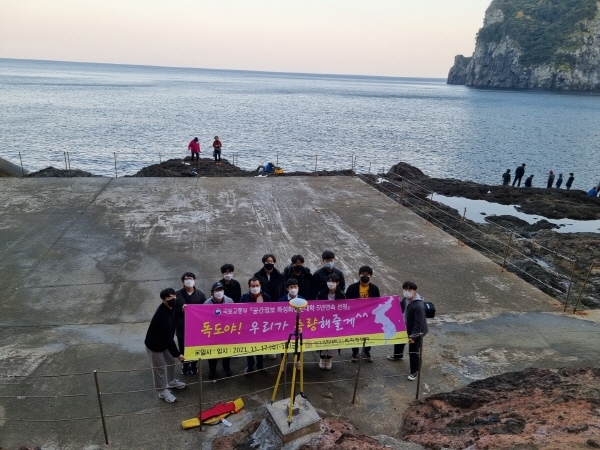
x=82 y=262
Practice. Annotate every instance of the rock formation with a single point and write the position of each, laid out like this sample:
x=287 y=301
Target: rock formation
x=531 y=44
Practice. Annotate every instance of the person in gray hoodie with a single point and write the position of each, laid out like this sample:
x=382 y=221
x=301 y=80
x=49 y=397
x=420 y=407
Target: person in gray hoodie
x=413 y=311
x=218 y=297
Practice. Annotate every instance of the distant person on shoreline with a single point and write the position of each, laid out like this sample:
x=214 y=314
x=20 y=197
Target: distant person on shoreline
x=194 y=147
x=593 y=192
x=519 y=174
x=529 y=181
x=217 y=150
x=570 y=181
x=559 y=181
x=506 y=178
x=550 y=179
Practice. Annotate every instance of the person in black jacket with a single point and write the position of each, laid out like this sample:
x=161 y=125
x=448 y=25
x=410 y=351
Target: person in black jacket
x=271 y=279
x=570 y=181
x=232 y=287
x=506 y=178
x=331 y=292
x=302 y=274
x=319 y=280
x=161 y=347
x=187 y=295
x=529 y=181
x=413 y=311
x=363 y=289
x=519 y=172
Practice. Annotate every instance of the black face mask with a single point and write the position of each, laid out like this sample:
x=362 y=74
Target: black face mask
x=364 y=279
x=297 y=269
x=171 y=302
x=269 y=266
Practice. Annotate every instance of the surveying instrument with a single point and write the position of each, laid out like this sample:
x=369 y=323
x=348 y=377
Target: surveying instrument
x=299 y=305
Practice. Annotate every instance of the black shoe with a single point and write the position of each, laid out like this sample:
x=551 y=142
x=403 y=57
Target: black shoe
x=263 y=370
x=212 y=376
x=248 y=370
x=368 y=357
x=354 y=358
x=194 y=369
x=228 y=373
x=185 y=369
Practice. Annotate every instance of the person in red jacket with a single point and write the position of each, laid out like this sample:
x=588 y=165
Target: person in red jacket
x=194 y=147
x=217 y=150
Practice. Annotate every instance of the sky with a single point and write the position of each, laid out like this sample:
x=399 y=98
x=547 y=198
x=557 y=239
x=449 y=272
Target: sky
x=410 y=38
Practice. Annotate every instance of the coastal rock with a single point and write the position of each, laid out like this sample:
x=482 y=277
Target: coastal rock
x=534 y=45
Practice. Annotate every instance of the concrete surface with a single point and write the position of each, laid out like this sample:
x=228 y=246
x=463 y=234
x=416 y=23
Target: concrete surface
x=82 y=262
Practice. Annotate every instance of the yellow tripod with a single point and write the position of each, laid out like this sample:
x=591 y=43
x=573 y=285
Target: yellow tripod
x=298 y=305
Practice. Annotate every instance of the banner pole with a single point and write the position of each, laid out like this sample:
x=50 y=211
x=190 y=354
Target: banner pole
x=358 y=371
x=200 y=391
x=420 y=364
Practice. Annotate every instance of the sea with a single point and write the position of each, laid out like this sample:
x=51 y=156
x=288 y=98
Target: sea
x=112 y=119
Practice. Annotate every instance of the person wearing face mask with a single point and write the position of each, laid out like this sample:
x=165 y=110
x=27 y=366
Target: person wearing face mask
x=161 y=347
x=363 y=289
x=331 y=292
x=300 y=273
x=218 y=297
x=255 y=295
x=271 y=279
x=232 y=287
x=187 y=295
x=413 y=310
x=320 y=276
x=293 y=291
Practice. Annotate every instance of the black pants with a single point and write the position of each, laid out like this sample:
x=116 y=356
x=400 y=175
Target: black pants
x=250 y=360
x=196 y=155
x=517 y=178
x=217 y=154
x=212 y=365
x=180 y=344
x=413 y=353
x=356 y=350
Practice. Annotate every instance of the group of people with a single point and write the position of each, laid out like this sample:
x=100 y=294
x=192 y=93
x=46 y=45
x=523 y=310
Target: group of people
x=194 y=148
x=268 y=285
x=520 y=172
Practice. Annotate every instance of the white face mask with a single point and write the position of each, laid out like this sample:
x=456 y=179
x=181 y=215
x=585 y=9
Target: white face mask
x=189 y=283
x=293 y=292
x=228 y=276
x=331 y=285
x=218 y=295
x=255 y=290
x=408 y=294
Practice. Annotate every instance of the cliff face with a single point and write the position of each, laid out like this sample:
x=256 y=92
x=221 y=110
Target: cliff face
x=524 y=46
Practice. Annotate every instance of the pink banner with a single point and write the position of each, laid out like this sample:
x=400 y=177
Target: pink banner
x=215 y=331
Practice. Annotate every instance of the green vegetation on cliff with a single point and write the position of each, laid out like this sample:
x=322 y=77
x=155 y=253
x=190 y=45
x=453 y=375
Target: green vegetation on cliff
x=540 y=28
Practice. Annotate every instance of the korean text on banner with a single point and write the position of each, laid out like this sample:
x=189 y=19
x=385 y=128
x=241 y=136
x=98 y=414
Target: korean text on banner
x=241 y=329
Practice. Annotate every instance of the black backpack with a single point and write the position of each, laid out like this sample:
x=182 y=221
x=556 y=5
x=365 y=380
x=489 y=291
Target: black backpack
x=429 y=310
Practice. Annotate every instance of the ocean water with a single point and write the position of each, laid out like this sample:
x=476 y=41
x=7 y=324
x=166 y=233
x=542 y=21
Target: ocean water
x=143 y=114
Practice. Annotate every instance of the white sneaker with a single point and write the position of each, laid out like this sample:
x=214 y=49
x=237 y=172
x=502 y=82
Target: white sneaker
x=176 y=384
x=274 y=356
x=413 y=376
x=322 y=364
x=166 y=395
x=328 y=364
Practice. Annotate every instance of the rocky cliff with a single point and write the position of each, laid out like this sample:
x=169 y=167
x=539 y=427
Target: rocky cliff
x=533 y=44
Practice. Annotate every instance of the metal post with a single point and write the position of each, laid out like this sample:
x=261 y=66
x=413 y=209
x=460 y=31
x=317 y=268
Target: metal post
x=420 y=365
x=570 y=283
x=358 y=371
x=160 y=164
x=200 y=390
x=352 y=162
x=402 y=193
x=101 y=409
x=583 y=287
x=369 y=168
x=66 y=166
x=507 y=250
x=22 y=170
x=462 y=221
x=429 y=209
x=116 y=174
x=277 y=159
x=69 y=161
x=316 y=159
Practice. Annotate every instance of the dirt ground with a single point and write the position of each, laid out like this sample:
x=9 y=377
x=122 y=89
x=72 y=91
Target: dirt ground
x=532 y=409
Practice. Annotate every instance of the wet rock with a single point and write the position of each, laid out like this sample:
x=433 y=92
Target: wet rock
x=60 y=173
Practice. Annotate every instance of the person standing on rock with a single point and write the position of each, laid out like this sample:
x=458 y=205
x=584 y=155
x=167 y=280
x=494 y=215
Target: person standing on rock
x=506 y=178
x=194 y=147
x=559 y=181
x=217 y=150
x=529 y=181
x=187 y=295
x=550 y=180
x=519 y=174
x=161 y=347
x=570 y=181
